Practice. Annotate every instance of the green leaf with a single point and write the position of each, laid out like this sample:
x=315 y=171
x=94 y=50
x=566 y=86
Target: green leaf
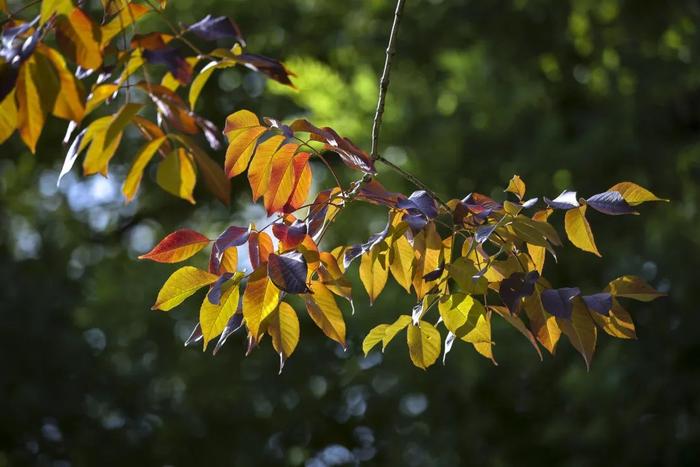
x=465 y=317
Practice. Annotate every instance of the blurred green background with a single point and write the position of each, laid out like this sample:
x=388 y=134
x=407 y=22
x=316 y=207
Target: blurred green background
x=568 y=94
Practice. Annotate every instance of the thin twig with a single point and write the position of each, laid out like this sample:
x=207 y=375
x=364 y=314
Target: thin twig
x=384 y=81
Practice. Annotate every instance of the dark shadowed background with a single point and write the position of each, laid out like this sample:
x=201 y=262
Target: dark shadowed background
x=568 y=94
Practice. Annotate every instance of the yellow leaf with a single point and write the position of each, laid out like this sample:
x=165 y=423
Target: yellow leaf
x=374 y=272
x=124 y=18
x=580 y=330
x=180 y=285
x=214 y=178
x=543 y=325
x=69 y=101
x=462 y=271
x=229 y=262
x=54 y=7
x=281 y=180
x=213 y=318
x=427 y=245
x=401 y=262
x=633 y=287
x=485 y=349
x=8 y=116
x=201 y=79
x=423 y=344
x=619 y=324
x=36 y=90
x=538 y=253
x=516 y=186
x=635 y=194
x=260 y=299
x=394 y=328
x=465 y=317
x=133 y=179
x=177 y=175
x=107 y=135
x=325 y=313
x=78 y=34
x=284 y=330
x=331 y=276
x=579 y=231
x=98 y=95
x=374 y=336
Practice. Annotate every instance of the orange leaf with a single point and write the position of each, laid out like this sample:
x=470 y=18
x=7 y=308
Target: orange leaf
x=259 y=171
x=302 y=182
x=240 y=149
x=177 y=246
x=281 y=180
x=79 y=38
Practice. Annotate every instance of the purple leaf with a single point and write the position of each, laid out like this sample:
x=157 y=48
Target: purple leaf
x=232 y=236
x=611 y=203
x=484 y=232
x=195 y=336
x=566 y=200
x=515 y=287
x=173 y=60
x=600 y=302
x=415 y=221
x=557 y=302
x=235 y=322
x=420 y=201
x=288 y=272
x=212 y=28
x=214 y=295
x=436 y=273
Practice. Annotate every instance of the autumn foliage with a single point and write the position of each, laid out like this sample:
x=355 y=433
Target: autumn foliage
x=465 y=261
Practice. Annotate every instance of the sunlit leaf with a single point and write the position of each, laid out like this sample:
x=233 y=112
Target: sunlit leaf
x=69 y=102
x=543 y=325
x=283 y=327
x=566 y=200
x=516 y=186
x=177 y=246
x=427 y=245
x=180 y=285
x=36 y=90
x=8 y=116
x=177 y=175
x=214 y=178
x=401 y=258
x=302 y=182
x=325 y=313
x=611 y=203
x=133 y=178
x=259 y=248
x=374 y=272
x=618 y=323
x=423 y=344
x=374 y=337
x=260 y=299
x=633 y=287
x=122 y=20
x=579 y=231
x=243 y=130
x=79 y=38
x=581 y=331
x=465 y=317
x=213 y=318
x=635 y=194
x=281 y=182
x=394 y=328
x=99 y=95
x=260 y=171
x=202 y=77
x=50 y=8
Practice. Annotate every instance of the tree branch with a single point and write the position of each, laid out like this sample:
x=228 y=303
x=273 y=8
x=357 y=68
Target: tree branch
x=384 y=81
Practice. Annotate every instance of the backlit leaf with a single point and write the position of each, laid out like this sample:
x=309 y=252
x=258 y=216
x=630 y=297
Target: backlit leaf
x=36 y=90
x=374 y=337
x=423 y=344
x=401 y=258
x=325 y=313
x=177 y=175
x=427 y=245
x=581 y=331
x=260 y=166
x=123 y=19
x=281 y=182
x=374 y=272
x=618 y=323
x=579 y=231
x=214 y=318
x=394 y=328
x=259 y=248
x=566 y=200
x=302 y=182
x=633 y=287
x=283 y=327
x=465 y=317
x=202 y=77
x=611 y=203
x=180 y=285
x=214 y=178
x=133 y=178
x=79 y=38
x=543 y=325
x=69 y=101
x=516 y=186
x=260 y=299
x=243 y=130
x=518 y=324
x=54 y=7
x=177 y=246
x=635 y=194
x=8 y=116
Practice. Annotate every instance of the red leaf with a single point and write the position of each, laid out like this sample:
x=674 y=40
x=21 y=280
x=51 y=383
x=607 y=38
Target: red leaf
x=176 y=247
